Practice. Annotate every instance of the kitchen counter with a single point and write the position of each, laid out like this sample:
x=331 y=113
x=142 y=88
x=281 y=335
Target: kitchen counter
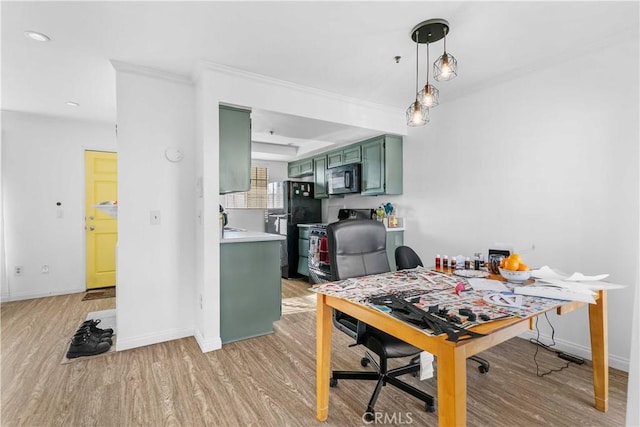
x=395 y=229
x=249 y=236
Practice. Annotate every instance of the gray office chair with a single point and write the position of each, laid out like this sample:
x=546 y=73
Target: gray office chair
x=407 y=258
x=358 y=248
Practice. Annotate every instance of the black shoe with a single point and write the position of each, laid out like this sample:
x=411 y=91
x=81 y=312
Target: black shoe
x=80 y=336
x=86 y=347
x=87 y=329
x=93 y=324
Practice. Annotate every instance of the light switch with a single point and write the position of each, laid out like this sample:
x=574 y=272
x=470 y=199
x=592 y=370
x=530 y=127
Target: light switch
x=154 y=218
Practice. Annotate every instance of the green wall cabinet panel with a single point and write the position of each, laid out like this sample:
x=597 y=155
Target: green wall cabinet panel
x=345 y=156
x=300 y=168
x=250 y=289
x=351 y=155
x=334 y=159
x=320 y=177
x=235 y=149
x=382 y=166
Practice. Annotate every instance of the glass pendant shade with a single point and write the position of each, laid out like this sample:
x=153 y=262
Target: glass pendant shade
x=445 y=68
x=417 y=114
x=429 y=96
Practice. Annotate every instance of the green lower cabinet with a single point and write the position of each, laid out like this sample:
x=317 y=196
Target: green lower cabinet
x=303 y=251
x=250 y=289
x=395 y=239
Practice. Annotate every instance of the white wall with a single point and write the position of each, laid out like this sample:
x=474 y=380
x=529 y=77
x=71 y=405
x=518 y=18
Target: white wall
x=42 y=164
x=548 y=159
x=156 y=263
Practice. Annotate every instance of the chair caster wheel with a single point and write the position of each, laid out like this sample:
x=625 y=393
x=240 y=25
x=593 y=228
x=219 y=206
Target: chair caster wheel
x=429 y=408
x=483 y=369
x=364 y=362
x=333 y=382
x=369 y=416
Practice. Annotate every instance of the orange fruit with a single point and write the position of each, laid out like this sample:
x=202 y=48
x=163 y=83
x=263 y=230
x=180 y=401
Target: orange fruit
x=511 y=264
x=516 y=257
x=502 y=262
x=523 y=267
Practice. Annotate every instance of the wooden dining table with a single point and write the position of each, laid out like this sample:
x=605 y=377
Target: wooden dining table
x=452 y=356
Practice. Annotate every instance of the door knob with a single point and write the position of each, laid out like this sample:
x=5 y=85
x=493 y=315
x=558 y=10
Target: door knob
x=90 y=217
x=91 y=227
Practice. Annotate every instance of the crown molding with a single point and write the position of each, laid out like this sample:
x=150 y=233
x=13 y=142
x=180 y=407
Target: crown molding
x=248 y=75
x=127 y=67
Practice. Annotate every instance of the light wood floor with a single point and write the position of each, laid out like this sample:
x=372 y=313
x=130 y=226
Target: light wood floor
x=266 y=381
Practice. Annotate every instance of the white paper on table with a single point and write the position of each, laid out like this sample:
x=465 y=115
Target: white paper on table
x=546 y=273
x=556 y=293
x=487 y=285
x=426 y=365
x=546 y=276
x=579 y=277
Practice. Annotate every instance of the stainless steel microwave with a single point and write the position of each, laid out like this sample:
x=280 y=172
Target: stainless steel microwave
x=344 y=179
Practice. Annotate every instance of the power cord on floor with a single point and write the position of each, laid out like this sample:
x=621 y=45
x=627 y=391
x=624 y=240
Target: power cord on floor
x=547 y=347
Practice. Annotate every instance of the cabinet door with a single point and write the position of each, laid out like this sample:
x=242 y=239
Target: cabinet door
x=373 y=167
x=320 y=177
x=334 y=159
x=294 y=170
x=351 y=155
x=235 y=150
x=393 y=164
x=306 y=167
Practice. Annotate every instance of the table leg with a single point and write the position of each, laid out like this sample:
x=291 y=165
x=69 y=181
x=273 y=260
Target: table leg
x=600 y=351
x=452 y=387
x=323 y=357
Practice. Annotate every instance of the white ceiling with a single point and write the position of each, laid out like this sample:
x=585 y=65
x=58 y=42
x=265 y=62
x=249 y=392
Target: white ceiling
x=343 y=47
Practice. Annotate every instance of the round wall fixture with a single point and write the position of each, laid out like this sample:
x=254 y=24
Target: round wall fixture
x=173 y=154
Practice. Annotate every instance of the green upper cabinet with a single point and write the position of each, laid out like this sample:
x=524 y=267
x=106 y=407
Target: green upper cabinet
x=344 y=156
x=320 y=177
x=382 y=165
x=381 y=159
x=235 y=149
x=301 y=168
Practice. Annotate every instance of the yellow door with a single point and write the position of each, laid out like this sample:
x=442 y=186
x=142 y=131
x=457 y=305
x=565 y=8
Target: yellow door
x=101 y=229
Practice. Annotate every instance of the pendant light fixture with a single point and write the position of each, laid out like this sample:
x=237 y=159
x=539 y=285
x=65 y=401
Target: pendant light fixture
x=445 y=68
x=429 y=96
x=417 y=114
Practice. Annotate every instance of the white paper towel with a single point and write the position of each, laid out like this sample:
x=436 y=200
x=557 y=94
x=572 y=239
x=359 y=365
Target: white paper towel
x=426 y=366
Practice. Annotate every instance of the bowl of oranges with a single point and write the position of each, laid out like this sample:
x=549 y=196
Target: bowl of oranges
x=513 y=269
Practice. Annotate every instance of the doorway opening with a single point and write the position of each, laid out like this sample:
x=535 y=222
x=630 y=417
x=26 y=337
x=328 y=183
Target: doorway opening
x=101 y=213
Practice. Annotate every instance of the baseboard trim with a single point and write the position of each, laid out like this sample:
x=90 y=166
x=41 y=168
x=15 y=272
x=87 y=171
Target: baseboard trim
x=141 y=341
x=207 y=345
x=616 y=362
x=10 y=298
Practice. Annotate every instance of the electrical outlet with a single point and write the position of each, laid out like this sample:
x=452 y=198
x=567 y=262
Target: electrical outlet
x=18 y=270
x=200 y=302
x=45 y=269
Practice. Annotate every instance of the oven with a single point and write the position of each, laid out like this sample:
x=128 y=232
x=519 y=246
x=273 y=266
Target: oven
x=319 y=268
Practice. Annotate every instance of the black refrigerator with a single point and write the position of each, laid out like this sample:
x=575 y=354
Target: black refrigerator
x=298 y=207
